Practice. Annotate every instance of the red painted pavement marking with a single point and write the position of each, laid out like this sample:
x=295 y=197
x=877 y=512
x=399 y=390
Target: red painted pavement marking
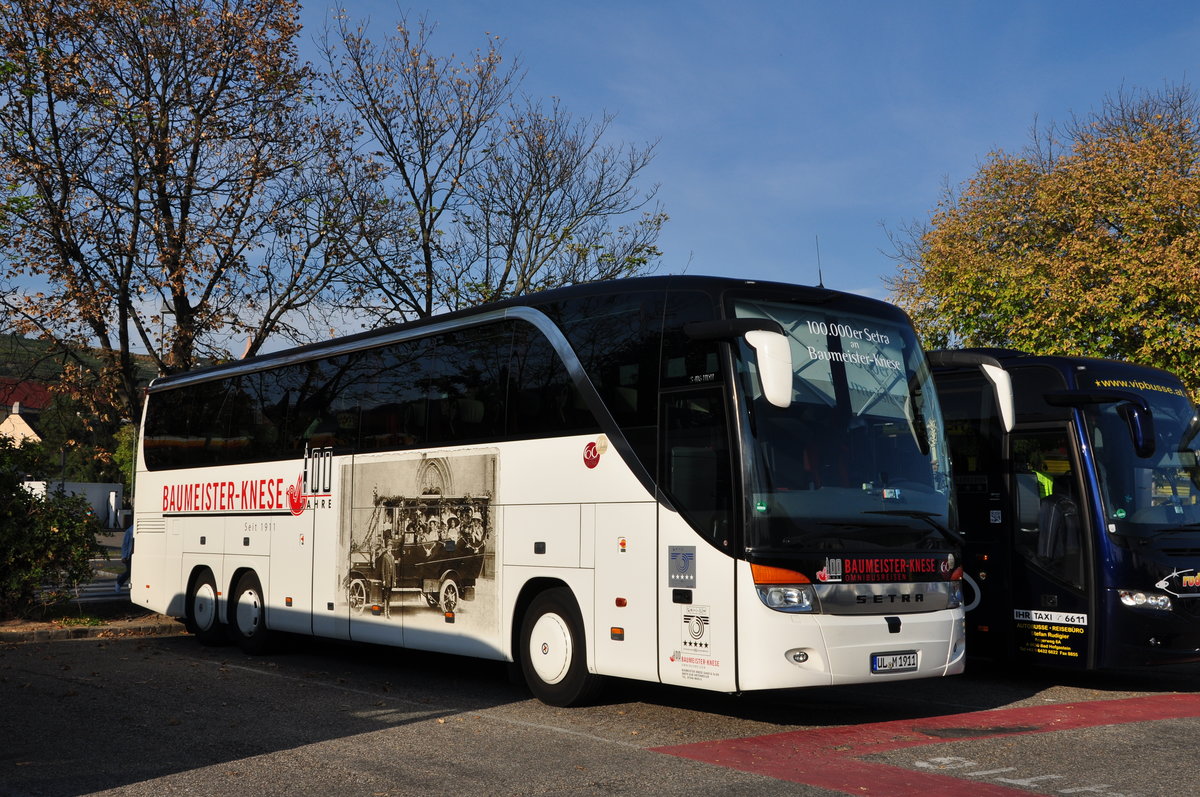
x=828 y=757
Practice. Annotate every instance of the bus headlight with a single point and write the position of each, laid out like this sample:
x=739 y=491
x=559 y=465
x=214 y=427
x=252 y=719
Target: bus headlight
x=784 y=590
x=788 y=597
x=1145 y=600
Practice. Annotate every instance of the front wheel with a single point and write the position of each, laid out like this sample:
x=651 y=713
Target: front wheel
x=553 y=653
x=248 y=616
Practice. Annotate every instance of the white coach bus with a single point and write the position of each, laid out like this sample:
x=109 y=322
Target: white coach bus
x=708 y=482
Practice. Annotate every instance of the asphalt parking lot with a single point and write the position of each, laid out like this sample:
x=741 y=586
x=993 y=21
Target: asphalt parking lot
x=163 y=715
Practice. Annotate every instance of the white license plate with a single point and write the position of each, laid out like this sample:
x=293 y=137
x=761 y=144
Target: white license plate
x=899 y=661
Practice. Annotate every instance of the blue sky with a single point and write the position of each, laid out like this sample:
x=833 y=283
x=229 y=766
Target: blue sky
x=779 y=123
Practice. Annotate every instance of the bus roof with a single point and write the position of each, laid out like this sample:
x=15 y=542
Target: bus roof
x=715 y=286
x=1068 y=365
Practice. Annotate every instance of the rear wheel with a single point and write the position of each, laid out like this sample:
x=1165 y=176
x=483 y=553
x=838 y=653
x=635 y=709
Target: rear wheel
x=202 y=611
x=553 y=651
x=248 y=616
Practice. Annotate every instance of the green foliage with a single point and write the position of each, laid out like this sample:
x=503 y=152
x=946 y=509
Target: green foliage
x=1088 y=243
x=94 y=443
x=44 y=361
x=125 y=454
x=46 y=543
x=76 y=445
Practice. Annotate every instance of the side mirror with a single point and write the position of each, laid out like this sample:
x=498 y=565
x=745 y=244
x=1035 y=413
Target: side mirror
x=992 y=368
x=771 y=349
x=1002 y=392
x=1132 y=408
x=774 y=355
x=1141 y=428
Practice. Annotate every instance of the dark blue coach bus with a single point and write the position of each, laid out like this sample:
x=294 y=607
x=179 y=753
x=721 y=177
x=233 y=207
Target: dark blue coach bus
x=1078 y=490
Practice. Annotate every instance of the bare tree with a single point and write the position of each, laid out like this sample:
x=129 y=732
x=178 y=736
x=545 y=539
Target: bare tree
x=426 y=121
x=157 y=150
x=479 y=195
x=542 y=208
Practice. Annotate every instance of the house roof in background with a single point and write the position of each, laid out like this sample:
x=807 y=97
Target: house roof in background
x=32 y=395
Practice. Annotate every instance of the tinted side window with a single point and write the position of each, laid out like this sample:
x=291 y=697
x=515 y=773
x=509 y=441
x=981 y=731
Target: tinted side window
x=1030 y=384
x=180 y=425
x=687 y=362
x=475 y=384
x=266 y=414
x=329 y=408
x=468 y=389
x=616 y=337
x=302 y=405
x=543 y=400
x=396 y=396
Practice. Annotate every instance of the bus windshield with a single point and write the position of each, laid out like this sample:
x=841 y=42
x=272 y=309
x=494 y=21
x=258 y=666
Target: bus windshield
x=1146 y=496
x=859 y=460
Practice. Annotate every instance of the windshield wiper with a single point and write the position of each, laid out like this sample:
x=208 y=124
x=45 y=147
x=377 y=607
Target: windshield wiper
x=928 y=517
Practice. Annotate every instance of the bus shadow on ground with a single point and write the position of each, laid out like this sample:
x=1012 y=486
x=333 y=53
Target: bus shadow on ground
x=985 y=686
x=88 y=715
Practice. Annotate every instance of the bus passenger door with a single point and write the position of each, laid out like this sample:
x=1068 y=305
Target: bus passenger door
x=696 y=567
x=1051 y=619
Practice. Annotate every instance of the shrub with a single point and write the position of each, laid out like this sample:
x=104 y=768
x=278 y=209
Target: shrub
x=46 y=542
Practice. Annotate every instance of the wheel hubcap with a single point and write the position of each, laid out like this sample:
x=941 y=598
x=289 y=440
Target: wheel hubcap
x=249 y=613
x=204 y=607
x=551 y=648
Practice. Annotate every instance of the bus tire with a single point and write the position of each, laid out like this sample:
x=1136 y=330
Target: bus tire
x=203 y=610
x=553 y=651
x=248 y=616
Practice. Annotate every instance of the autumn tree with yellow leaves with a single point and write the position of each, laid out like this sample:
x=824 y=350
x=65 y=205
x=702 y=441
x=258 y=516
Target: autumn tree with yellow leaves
x=1086 y=243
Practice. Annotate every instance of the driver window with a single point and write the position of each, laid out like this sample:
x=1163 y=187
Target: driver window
x=696 y=465
x=1049 y=527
